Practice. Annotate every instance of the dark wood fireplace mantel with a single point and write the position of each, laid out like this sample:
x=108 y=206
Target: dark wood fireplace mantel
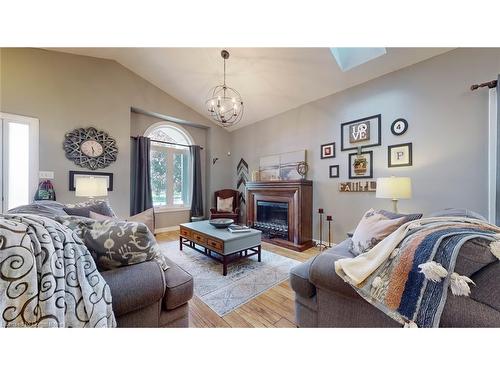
x=299 y=197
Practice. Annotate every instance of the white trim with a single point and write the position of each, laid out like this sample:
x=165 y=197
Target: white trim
x=159 y=209
x=33 y=124
x=492 y=155
x=166 y=229
x=168 y=124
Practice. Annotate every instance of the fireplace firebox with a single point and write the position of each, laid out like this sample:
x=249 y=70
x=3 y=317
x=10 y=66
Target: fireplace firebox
x=272 y=219
x=282 y=210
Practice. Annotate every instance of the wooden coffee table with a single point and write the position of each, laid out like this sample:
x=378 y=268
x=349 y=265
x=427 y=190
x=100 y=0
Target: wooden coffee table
x=220 y=244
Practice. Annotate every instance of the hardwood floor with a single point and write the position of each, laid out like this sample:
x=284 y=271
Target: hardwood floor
x=273 y=308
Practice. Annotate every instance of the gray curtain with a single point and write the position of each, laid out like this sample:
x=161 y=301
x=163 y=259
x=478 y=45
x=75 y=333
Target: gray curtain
x=141 y=198
x=497 y=200
x=197 y=197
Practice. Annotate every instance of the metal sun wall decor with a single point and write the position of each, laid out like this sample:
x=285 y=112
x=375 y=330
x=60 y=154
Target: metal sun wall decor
x=90 y=148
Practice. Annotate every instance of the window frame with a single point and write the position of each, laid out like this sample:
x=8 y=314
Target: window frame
x=33 y=123
x=171 y=151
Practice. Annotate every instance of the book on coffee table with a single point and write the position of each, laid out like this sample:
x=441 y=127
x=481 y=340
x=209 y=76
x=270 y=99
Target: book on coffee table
x=233 y=228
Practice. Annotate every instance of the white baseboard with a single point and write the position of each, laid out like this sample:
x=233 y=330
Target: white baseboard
x=166 y=229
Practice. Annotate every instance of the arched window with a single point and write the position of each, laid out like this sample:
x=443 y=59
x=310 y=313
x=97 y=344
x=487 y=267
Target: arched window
x=170 y=165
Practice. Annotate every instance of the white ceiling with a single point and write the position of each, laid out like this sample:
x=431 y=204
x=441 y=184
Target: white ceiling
x=270 y=80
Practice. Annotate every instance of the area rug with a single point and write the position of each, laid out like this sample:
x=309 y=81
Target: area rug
x=245 y=279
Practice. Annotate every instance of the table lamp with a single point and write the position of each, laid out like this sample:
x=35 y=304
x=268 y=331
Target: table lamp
x=394 y=188
x=91 y=187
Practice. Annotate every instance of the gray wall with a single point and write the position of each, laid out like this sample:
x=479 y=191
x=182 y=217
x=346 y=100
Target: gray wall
x=447 y=125
x=66 y=91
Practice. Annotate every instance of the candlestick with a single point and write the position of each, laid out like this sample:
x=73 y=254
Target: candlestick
x=329 y=219
x=321 y=245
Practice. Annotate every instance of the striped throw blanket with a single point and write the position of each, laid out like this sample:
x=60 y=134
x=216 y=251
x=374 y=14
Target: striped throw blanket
x=407 y=275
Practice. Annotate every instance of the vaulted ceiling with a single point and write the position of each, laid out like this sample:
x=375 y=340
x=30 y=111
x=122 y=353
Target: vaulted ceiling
x=270 y=80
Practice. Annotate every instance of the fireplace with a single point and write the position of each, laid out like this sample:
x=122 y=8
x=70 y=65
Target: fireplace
x=272 y=219
x=282 y=210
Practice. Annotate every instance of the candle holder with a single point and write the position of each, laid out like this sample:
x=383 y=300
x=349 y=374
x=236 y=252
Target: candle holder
x=321 y=246
x=329 y=219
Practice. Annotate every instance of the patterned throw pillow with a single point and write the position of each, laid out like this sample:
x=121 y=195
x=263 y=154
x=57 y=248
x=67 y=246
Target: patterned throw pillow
x=115 y=243
x=83 y=208
x=145 y=217
x=225 y=205
x=374 y=226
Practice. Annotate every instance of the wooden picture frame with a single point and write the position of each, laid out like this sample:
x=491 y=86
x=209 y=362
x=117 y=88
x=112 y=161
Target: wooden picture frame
x=400 y=155
x=72 y=174
x=327 y=150
x=334 y=171
x=369 y=172
x=375 y=124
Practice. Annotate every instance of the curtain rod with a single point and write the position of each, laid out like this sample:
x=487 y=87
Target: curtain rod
x=490 y=85
x=169 y=143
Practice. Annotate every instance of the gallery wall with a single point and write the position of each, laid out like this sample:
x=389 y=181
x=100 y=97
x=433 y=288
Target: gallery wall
x=448 y=126
x=66 y=91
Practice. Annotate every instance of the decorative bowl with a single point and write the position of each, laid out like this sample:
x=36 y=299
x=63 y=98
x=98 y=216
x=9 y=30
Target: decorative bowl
x=221 y=223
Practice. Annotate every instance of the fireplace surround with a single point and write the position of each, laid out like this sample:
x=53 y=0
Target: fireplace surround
x=282 y=210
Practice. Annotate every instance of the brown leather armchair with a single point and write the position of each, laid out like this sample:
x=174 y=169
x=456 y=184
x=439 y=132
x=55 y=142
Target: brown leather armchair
x=224 y=194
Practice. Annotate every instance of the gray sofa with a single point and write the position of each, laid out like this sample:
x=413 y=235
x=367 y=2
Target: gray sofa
x=143 y=295
x=323 y=299
x=146 y=296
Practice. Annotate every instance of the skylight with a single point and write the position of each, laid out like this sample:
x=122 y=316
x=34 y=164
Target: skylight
x=348 y=58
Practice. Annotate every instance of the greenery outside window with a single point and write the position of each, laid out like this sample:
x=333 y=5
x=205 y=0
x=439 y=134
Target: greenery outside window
x=170 y=166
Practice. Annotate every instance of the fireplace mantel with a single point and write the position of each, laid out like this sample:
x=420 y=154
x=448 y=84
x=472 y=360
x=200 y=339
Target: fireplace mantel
x=298 y=195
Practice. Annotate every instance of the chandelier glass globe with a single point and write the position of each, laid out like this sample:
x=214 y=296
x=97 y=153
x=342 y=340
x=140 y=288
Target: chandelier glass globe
x=225 y=105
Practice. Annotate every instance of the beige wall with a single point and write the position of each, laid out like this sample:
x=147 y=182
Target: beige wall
x=447 y=125
x=66 y=91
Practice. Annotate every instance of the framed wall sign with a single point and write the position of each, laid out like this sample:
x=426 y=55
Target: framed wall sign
x=361 y=165
x=328 y=150
x=400 y=155
x=364 y=132
x=399 y=126
x=73 y=175
x=334 y=171
x=358 y=187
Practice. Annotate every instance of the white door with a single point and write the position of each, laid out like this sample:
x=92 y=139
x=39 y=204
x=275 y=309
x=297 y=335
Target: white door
x=19 y=159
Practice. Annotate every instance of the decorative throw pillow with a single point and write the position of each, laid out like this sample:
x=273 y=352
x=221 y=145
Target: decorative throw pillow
x=225 y=205
x=83 y=208
x=145 y=217
x=374 y=226
x=115 y=243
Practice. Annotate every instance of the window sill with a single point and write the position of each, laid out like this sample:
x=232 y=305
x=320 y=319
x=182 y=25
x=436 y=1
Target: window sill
x=171 y=209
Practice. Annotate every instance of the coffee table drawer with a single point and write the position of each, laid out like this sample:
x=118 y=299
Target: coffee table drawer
x=218 y=245
x=198 y=238
x=185 y=232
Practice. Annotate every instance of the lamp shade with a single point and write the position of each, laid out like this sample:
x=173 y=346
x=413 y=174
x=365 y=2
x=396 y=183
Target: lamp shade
x=91 y=187
x=394 y=187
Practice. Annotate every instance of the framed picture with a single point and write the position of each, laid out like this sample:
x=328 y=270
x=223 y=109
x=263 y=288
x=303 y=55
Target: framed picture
x=74 y=175
x=334 y=171
x=361 y=165
x=399 y=126
x=328 y=150
x=400 y=155
x=364 y=132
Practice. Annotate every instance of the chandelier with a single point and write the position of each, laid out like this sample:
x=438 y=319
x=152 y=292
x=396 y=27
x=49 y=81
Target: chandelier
x=224 y=104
